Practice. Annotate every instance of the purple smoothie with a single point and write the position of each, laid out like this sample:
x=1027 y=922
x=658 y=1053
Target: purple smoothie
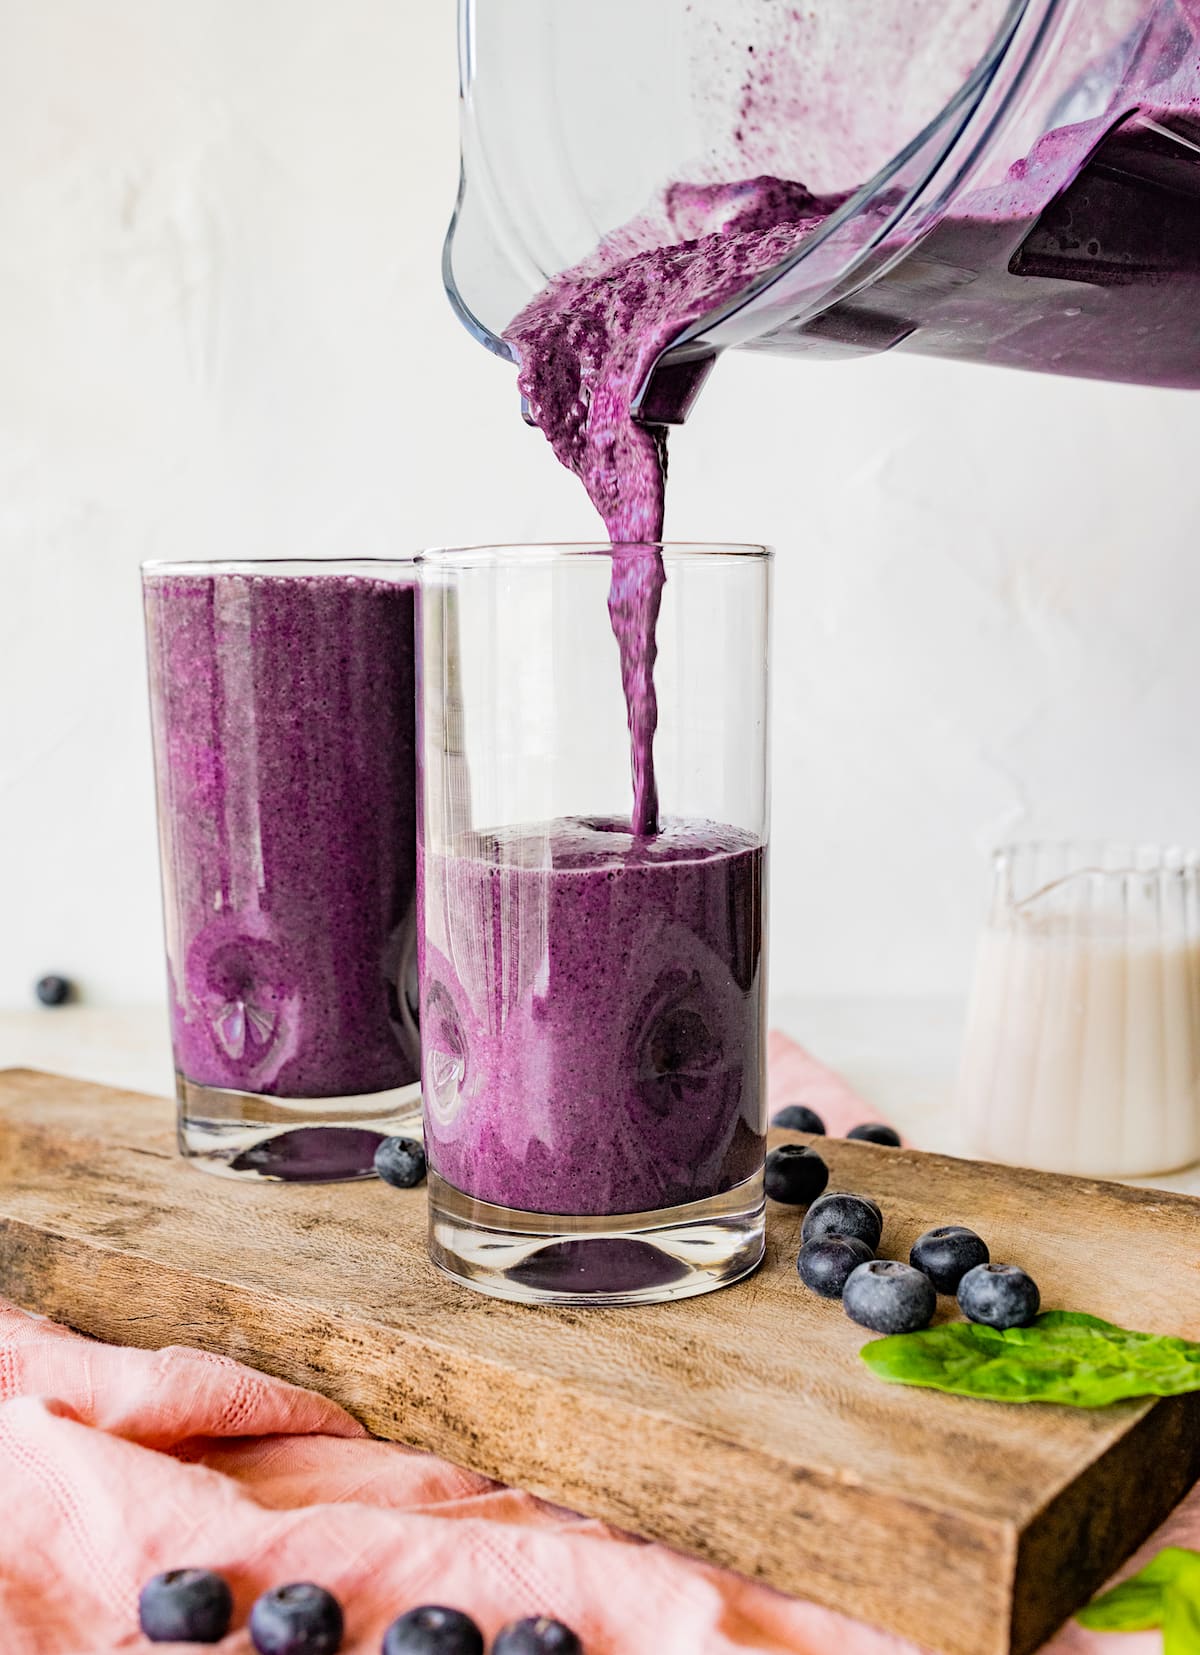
x=592 y=1015
x=586 y=345
x=284 y=732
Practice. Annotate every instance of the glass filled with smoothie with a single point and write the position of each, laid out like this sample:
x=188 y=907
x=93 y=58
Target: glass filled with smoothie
x=592 y=728
x=282 y=698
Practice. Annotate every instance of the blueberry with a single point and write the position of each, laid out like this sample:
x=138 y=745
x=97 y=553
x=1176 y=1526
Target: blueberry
x=889 y=1297
x=795 y=1175
x=946 y=1254
x=432 y=1630
x=301 y=1619
x=827 y=1264
x=401 y=1162
x=840 y=1214
x=999 y=1295
x=54 y=991
x=874 y=1132
x=798 y=1117
x=187 y=1606
x=538 y=1635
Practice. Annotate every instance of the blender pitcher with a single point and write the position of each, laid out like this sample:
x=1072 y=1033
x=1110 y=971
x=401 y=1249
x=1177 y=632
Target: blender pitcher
x=1008 y=181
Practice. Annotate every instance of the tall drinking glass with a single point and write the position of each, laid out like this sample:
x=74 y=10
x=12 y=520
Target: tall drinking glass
x=282 y=702
x=592 y=1000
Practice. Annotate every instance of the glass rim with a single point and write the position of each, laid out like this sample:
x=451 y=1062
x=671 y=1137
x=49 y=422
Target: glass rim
x=1090 y=846
x=280 y=566
x=1107 y=859
x=563 y=551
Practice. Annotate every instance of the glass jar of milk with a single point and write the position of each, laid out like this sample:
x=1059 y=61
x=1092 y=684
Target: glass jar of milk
x=1082 y=1050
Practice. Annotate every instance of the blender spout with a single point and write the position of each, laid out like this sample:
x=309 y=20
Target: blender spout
x=669 y=393
x=673 y=384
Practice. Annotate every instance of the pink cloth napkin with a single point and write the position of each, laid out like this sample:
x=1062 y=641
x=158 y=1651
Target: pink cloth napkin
x=117 y=1463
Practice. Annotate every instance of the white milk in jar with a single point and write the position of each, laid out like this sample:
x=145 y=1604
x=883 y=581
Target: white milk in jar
x=1082 y=1051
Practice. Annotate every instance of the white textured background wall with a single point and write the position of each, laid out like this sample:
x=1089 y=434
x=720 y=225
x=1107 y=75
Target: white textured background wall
x=222 y=334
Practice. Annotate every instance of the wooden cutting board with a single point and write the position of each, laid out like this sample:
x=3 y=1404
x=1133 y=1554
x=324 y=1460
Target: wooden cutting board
x=740 y=1427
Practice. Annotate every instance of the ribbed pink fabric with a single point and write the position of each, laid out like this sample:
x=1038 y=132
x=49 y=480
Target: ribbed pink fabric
x=117 y=1463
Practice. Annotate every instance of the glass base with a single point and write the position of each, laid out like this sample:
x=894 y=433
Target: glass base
x=632 y=1258
x=290 y=1140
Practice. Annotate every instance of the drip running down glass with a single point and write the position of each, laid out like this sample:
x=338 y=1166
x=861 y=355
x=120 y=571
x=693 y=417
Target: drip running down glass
x=282 y=702
x=592 y=1000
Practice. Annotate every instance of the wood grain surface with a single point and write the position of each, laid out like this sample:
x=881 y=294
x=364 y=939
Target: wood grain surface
x=740 y=1427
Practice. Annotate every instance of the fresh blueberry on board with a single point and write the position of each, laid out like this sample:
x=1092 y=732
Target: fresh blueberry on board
x=798 y=1117
x=433 y=1630
x=187 y=1606
x=53 y=990
x=827 y=1264
x=874 y=1132
x=299 y=1619
x=401 y=1163
x=889 y=1297
x=839 y=1213
x=795 y=1175
x=999 y=1296
x=536 y=1635
x=947 y=1253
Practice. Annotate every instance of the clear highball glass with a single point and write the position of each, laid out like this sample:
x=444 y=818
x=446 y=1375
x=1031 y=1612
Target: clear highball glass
x=282 y=702
x=592 y=1000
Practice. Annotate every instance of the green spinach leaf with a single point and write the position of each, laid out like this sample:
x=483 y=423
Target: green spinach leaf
x=1063 y=1357
x=1165 y=1594
x=1181 y=1621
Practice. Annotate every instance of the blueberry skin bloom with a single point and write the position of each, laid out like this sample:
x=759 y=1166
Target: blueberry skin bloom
x=401 y=1163
x=889 y=1297
x=537 y=1635
x=794 y=1175
x=947 y=1253
x=433 y=1630
x=798 y=1117
x=874 y=1132
x=827 y=1263
x=192 y=1606
x=839 y=1213
x=999 y=1296
x=299 y=1619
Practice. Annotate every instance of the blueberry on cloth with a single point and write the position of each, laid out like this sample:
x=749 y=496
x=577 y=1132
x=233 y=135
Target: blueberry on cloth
x=798 y=1117
x=193 y=1606
x=299 y=1619
x=536 y=1635
x=433 y=1630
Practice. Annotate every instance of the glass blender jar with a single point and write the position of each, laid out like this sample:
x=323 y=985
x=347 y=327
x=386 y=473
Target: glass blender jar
x=1006 y=181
